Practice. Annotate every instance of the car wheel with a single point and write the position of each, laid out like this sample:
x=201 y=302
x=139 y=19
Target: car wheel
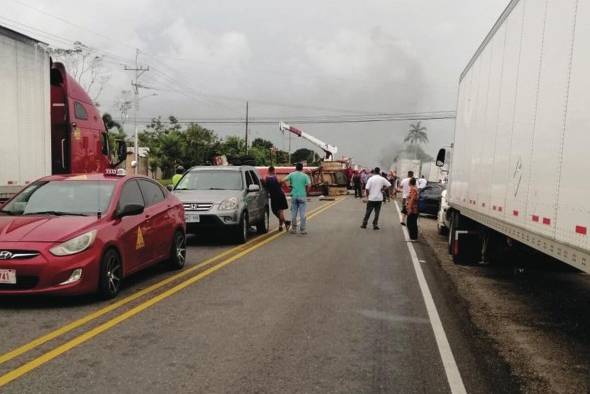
x=262 y=227
x=178 y=251
x=111 y=275
x=242 y=230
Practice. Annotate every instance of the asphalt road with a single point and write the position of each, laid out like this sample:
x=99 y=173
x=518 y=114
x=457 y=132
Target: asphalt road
x=338 y=310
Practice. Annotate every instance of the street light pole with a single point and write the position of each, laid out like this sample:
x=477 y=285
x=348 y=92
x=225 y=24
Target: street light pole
x=246 y=137
x=139 y=71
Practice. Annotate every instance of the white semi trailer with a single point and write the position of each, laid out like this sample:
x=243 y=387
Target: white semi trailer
x=519 y=165
x=25 y=126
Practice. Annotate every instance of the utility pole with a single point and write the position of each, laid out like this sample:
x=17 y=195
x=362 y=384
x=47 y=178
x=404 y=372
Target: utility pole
x=289 y=149
x=139 y=71
x=246 y=128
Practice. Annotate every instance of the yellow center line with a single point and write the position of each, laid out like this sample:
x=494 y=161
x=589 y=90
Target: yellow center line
x=50 y=355
x=124 y=301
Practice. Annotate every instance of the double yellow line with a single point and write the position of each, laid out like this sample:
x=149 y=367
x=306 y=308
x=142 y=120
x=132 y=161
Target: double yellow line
x=61 y=349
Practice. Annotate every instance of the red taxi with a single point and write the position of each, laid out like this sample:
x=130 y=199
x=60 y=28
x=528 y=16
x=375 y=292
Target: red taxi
x=76 y=234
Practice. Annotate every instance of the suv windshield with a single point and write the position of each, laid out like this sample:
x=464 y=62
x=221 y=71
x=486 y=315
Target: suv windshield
x=211 y=180
x=62 y=198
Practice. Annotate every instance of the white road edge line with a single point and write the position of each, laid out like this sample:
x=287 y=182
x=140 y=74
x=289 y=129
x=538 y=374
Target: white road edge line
x=444 y=348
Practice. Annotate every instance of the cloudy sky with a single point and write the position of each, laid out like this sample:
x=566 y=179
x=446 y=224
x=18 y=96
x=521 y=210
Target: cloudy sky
x=289 y=59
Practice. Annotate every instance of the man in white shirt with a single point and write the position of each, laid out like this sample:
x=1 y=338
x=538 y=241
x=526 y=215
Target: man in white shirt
x=404 y=187
x=375 y=186
x=422 y=182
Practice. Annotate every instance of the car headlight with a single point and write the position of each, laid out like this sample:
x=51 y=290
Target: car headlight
x=75 y=245
x=229 y=204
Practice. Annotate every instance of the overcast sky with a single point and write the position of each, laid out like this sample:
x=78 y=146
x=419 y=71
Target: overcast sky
x=311 y=57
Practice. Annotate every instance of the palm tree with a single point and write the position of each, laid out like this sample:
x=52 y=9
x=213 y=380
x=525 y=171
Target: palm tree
x=416 y=135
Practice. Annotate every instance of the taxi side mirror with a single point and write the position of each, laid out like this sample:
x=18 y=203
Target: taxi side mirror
x=130 y=210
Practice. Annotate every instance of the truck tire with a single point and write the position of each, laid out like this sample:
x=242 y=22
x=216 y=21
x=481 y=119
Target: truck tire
x=464 y=244
x=451 y=233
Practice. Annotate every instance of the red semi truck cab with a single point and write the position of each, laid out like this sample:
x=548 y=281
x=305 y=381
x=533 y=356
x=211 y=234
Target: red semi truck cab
x=79 y=140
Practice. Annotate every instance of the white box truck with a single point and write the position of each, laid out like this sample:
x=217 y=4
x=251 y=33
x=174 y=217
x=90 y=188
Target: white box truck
x=48 y=124
x=518 y=170
x=25 y=126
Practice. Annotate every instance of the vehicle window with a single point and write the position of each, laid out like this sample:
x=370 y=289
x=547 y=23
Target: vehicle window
x=211 y=180
x=79 y=111
x=62 y=198
x=255 y=179
x=130 y=194
x=249 y=180
x=152 y=194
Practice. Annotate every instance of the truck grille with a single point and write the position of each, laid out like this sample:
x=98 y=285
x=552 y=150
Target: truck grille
x=198 y=206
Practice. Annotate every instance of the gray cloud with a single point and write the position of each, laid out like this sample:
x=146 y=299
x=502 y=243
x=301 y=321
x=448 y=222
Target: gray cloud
x=371 y=56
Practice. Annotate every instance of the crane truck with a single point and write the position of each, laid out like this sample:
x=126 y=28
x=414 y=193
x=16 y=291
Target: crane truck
x=518 y=171
x=48 y=124
x=334 y=176
x=328 y=149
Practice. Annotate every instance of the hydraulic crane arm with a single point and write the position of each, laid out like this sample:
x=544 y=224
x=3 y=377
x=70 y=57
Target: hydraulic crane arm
x=328 y=149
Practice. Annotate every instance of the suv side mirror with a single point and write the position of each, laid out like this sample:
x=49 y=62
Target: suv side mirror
x=440 y=158
x=170 y=187
x=253 y=188
x=130 y=210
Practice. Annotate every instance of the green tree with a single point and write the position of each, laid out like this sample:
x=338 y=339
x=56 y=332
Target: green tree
x=304 y=154
x=417 y=134
x=198 y=146
x=262 y=143
x=233 y=146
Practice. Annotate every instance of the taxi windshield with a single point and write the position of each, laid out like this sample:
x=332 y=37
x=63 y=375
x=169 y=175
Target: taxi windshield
x=62 y=198
x=211 y=180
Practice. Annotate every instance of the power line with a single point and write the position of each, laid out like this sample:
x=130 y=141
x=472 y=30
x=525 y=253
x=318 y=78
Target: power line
x=390 y=118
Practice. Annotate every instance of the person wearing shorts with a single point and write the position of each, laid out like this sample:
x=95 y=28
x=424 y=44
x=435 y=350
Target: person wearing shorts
x=278 y=200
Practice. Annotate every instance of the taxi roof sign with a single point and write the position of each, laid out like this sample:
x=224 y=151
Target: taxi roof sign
x=115 y=172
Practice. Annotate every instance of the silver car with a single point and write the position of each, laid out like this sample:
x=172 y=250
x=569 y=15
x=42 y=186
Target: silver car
x=224 y=197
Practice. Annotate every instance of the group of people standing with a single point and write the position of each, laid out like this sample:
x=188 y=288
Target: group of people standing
x=376 y=186
x=360 y=179
x=380 y=188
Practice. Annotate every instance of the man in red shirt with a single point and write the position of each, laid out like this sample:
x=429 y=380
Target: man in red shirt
x=412 y=209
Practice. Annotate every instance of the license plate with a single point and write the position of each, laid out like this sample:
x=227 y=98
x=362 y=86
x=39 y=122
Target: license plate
x=8 y=277
x=192 y=218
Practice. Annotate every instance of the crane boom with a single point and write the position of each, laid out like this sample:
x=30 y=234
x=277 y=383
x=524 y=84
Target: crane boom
x=328 y=149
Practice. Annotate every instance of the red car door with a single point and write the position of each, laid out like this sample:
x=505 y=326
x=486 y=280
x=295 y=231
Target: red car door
x=159 y=231
x=132 y=229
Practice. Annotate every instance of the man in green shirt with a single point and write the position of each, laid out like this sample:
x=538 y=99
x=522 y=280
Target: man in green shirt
x=299 y=182
x=176 y=177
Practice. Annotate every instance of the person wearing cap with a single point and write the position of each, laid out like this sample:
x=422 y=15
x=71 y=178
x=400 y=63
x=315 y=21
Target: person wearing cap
x=176 y=178
x=375 y=187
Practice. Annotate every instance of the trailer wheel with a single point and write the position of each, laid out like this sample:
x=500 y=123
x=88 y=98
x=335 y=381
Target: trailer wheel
x=463 y=241
x=450 y=233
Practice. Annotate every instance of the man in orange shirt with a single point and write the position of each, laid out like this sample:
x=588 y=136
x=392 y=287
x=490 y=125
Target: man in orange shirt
x=412 y=209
